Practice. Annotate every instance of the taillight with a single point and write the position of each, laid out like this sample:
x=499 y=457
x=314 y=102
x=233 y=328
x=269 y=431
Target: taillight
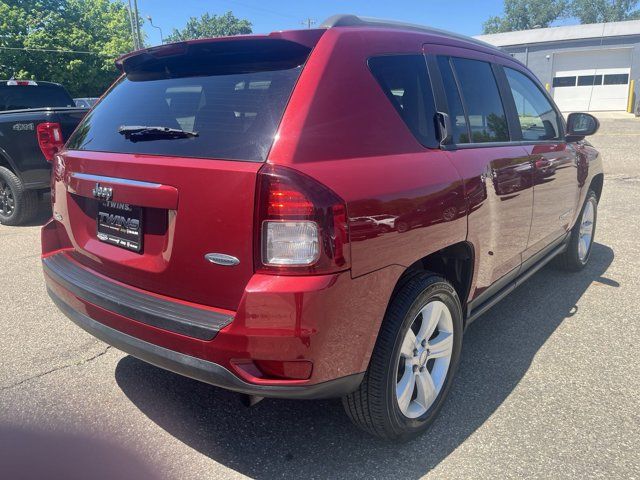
x=301 y=225
x=49 y=139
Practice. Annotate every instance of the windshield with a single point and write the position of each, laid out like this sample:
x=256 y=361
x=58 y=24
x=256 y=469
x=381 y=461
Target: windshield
x=19 y=97
x=235 y=116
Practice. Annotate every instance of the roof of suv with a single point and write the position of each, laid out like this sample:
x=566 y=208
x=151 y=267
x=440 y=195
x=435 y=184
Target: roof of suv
x=308 y=37
x=346 y=20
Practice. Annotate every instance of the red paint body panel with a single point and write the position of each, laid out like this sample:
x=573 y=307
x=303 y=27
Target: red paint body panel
x=280 y=318
x=556 y=193
x=498 y=186
x=419 y=194
x=175 y=240
x=403 y=201
x=151 y=195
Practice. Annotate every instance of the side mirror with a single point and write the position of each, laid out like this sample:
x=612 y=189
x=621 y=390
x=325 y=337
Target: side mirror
x=579 y=125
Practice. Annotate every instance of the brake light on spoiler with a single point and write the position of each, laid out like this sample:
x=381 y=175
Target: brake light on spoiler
x=21 y=83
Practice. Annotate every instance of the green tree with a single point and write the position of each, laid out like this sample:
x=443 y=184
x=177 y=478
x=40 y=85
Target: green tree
x=100 y=29
x=211 y=26
x=597 y=11
x=526 y=14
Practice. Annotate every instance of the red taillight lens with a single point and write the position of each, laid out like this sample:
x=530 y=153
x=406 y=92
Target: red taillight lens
x=49 y=139
x=286 y=202
x=301 y=225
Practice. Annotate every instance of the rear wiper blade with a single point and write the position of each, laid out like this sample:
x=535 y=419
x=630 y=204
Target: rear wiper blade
x=137 y=133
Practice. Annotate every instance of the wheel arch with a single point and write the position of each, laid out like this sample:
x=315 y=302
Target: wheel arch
x=597 y=183
x=454 y=263
x=7 y=162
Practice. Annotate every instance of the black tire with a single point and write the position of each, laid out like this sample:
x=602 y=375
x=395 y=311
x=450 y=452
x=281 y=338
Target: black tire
x=570 y=260
x=402 y=227
x=374 y=406
x=17 y=205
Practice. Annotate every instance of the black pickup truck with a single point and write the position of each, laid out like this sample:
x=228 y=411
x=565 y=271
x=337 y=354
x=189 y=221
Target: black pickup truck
x=35 y=120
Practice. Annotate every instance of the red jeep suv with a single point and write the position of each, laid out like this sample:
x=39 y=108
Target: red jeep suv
x=316 y=213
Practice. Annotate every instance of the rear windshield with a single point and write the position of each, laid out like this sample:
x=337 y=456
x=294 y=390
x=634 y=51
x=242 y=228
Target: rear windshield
x=18 y=97
x=235 y=115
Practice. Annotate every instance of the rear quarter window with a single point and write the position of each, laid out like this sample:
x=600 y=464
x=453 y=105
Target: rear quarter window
x=405 y=82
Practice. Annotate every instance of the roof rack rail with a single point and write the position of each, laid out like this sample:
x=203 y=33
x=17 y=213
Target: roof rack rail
x=346 y=20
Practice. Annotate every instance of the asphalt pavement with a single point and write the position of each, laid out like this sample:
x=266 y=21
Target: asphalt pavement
x=548 y=386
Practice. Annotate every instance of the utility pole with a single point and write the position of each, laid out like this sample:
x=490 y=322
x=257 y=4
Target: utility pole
x=137 y=18
x=134 y=36
x=308 y=22
x=134 y=20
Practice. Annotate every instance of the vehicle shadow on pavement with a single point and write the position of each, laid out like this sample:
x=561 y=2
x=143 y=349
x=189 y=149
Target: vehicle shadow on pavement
x=307 y=439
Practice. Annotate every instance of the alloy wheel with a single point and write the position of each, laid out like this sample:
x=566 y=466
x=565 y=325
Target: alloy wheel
x=586 y=230
x=424 y=359
x=7 y=200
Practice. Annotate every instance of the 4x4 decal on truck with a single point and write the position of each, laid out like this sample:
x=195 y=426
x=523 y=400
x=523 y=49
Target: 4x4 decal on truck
x=24 y=127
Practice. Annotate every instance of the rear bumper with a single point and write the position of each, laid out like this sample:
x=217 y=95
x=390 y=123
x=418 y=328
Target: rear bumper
x=199 y=369
x=200 y=323
x=296 y=337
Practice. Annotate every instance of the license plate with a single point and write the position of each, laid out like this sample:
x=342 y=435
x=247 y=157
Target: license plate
x=120 y=224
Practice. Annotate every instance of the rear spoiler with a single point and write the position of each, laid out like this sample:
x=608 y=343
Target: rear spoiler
x=174 y=58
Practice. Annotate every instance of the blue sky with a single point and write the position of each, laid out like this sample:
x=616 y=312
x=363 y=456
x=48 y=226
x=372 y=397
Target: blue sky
x=459 y=16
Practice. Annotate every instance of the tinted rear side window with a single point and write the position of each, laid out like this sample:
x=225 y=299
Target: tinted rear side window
x=18 y=97
x=485 y=113
x=456 y=110
x=405 y=81
x=235 y=108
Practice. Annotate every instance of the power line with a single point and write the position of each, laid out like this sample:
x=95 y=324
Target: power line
x=260 y=9
x=28 y=49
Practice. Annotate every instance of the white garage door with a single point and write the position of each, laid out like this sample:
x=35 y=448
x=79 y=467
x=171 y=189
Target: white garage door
x=592 y=80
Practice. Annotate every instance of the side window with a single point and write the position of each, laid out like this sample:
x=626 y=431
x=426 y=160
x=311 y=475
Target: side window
x=456 y=110
x=405 y=81
x=538 y=118
x=485 y=113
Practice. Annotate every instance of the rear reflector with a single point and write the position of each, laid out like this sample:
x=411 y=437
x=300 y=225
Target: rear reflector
x=49 y=139
x=259 y=371
x=289 y=370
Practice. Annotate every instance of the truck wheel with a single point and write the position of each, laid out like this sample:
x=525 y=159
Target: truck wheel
x=578 y=251
x=413 y=363
x=17 y=205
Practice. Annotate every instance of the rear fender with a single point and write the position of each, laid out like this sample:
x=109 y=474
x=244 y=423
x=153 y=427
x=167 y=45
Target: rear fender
x=8 y=162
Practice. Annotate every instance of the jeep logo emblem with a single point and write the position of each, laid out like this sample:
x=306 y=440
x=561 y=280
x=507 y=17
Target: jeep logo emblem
x=102 y=193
